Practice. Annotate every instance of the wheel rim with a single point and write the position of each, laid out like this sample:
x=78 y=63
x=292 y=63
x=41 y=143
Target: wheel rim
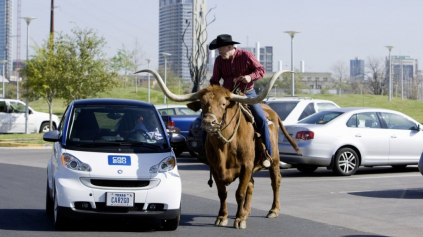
x=347 y=162
x=46 y=129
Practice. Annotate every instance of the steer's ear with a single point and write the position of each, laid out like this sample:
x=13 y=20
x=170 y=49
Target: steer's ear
x=196 y=105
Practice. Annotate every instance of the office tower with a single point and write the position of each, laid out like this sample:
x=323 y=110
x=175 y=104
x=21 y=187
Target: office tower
x=357 y=69
x=174 y=17
x=266 y=55
x=6 y=35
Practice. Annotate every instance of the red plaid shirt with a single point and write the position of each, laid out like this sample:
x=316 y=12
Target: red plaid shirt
x=241 y=64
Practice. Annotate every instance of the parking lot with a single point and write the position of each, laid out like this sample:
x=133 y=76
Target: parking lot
x=374 y=202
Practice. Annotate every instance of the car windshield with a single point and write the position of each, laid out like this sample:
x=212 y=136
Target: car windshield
x=323 y=117
x=106 y=125
x=283 y=108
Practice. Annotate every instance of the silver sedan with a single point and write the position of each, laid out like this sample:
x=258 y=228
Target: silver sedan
x=344 y=139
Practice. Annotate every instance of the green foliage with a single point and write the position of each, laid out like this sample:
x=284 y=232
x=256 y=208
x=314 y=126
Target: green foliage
x=87 y=69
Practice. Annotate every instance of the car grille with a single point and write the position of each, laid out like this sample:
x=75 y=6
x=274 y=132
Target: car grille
x=120 y=183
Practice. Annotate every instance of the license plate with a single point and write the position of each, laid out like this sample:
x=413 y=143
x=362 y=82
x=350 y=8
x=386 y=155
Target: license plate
x=119 y=160
x=120 y=199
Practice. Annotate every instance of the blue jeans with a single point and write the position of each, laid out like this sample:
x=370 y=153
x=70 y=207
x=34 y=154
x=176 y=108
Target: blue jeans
x=261 y=121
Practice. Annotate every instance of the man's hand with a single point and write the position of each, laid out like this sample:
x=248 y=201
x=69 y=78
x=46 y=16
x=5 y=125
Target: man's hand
x=244 y=79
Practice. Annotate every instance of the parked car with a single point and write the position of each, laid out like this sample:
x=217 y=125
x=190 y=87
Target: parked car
x=107 y=161
x=344 y=139
x=177 y=119
x=289 y=109
x=12 y=117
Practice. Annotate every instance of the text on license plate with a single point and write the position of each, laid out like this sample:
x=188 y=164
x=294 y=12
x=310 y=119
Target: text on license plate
x=119 y=160
x=120 y=199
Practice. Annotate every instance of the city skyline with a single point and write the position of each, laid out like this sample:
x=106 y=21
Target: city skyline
x=330 y=30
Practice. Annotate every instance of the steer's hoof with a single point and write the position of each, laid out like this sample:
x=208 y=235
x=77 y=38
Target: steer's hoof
x=272 y=214
x=239 y=224
x=221 y=222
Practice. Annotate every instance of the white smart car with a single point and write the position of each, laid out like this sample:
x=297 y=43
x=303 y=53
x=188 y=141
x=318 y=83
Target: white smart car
x=112 y=158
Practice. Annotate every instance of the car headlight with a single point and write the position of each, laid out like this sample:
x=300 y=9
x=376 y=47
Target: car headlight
x=167 y=164
x=71 y=162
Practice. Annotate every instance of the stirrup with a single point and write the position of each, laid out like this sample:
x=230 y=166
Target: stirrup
x=268 y=159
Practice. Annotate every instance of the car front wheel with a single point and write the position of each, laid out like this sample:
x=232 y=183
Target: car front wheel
x=45 y=127
x=172 y=224
x=346 y=162
x=49 y=202
x=59 y=219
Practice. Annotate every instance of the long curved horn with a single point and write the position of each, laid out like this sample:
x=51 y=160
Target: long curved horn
x=170 y=95
x=260 y=97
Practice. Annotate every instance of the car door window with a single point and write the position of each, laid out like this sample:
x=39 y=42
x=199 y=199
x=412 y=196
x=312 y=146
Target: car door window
x=309 y=110
x=396 y=121
x=284 y=108
x=322 y=106
x=16 y=107
x=3 y=107
x=187 y=111
x=167 y=111
x=368 y=120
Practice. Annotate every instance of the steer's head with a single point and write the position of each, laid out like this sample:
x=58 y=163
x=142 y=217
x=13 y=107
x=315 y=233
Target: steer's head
x=213 y=102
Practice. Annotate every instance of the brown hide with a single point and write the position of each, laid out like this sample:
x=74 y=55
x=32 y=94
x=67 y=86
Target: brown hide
x=236 y=159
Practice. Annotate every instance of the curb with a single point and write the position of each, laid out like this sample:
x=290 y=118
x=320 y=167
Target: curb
x=16 y=144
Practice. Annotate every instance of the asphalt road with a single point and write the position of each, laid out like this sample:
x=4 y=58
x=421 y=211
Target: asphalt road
x=374 y=202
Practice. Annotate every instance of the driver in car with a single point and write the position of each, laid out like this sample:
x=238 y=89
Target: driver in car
x=148 y=126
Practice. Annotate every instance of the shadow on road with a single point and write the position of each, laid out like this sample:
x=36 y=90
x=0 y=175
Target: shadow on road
x=392 y=193
x=37 y=220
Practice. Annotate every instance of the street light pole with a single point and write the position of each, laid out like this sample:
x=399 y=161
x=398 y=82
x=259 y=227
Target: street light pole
x=148 y=67
x=165 y=55
x=27 y=20
x=2 y=80
x=390 y=79
x=402 y=81
x=292 y=33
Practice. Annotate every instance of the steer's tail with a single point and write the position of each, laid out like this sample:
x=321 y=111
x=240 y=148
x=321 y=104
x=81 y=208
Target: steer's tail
x=286 y=134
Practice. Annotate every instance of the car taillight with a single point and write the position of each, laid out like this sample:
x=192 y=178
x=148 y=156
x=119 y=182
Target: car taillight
x=170 y=124
x=304 y=135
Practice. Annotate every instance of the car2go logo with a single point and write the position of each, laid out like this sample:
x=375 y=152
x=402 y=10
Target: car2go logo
x=119 y=160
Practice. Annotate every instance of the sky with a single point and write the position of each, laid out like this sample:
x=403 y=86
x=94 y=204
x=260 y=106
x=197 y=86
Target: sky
x=332 y=31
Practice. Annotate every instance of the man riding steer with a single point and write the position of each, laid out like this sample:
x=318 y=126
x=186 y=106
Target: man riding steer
x=239 y=69
x=230 y=144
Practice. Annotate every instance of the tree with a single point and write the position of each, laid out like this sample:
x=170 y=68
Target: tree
x=44 y=72
x=87 y=70
x=127 y=61
x=198 y=58
x=340 y=72
x=286 y=82
x=122 y=62
x=376 y=75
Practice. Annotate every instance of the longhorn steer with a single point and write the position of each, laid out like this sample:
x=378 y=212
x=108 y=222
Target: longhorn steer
x=230 y=145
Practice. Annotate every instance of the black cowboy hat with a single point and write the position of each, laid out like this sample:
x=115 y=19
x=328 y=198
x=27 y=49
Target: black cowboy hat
x=222 y=40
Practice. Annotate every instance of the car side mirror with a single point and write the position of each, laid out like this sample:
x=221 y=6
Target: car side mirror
x=52 y=136
x=416 y=128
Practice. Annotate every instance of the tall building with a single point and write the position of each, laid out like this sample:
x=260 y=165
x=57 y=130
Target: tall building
x=6 y=35
x=174 y=17
x=357 y=69
x=409 y=67
x=266 y=56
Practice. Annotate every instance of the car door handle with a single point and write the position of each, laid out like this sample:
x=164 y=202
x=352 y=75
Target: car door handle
x=393 y=136
x=357 y=135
